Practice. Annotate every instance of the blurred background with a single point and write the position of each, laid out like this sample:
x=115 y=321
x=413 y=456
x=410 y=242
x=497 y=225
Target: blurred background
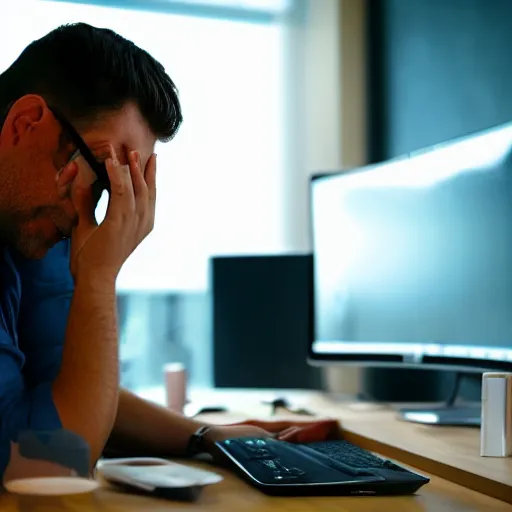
x=272 y=92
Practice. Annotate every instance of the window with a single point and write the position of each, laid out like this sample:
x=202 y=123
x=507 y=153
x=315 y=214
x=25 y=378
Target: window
x=220 y=182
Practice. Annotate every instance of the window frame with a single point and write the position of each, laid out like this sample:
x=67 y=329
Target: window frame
x=202 y=10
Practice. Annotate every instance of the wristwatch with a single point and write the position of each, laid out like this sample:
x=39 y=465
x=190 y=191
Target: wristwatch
x=195 y=444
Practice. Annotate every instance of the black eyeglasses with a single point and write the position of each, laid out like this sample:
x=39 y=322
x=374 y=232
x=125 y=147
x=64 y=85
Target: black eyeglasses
x=98 y=168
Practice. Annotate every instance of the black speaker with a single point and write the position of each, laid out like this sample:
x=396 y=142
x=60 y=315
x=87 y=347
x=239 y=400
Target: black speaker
x=262 y=321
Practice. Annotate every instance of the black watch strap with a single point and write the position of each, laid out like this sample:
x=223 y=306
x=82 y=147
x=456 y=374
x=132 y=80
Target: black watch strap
x=195 y=444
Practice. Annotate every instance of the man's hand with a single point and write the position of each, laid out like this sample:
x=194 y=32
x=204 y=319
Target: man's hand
x=299 y=431
x=100 y=251
x=293 y=432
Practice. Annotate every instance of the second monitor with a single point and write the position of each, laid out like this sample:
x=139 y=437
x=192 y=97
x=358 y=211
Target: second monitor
x=413 y=263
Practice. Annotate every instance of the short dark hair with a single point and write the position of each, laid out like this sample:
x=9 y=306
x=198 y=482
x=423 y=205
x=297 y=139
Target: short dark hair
x=85 y=71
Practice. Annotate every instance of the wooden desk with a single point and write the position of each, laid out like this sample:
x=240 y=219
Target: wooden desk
x=233 y=495
x=451 y=453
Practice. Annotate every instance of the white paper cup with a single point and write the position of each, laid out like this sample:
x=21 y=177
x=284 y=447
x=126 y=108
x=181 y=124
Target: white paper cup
x=175 y=377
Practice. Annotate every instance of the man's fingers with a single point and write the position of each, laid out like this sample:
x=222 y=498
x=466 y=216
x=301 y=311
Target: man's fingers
x=84 y=203
x=309 y=434
x=150 y=177
x=65 y=179
x=284 y=434
x=279 y=425
x=301 y=431
x=139 y=185
x=289 y=434
x=122 y=195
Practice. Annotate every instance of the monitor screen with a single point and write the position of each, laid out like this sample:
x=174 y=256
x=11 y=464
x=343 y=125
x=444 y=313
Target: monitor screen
x=413 y=258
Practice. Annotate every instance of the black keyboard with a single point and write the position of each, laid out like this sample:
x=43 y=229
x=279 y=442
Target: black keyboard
x=325 y=468
x=352 y=455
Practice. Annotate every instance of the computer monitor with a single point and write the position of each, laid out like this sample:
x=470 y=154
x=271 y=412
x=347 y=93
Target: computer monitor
x=413 y=263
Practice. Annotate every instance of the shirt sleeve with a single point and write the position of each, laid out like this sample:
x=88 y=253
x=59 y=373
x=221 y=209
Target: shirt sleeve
x=22 y=407
x=47 y=290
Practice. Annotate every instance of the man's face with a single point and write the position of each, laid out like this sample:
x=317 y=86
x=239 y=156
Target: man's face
x=36 y=210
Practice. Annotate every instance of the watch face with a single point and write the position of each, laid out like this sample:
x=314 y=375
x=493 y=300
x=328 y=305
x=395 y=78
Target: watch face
x=196 y=443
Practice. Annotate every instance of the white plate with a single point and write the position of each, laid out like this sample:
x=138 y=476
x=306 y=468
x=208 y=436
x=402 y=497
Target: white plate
x=51 y=486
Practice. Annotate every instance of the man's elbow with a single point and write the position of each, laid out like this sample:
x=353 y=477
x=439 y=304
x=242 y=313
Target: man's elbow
x=22 y=467
x=36 y=453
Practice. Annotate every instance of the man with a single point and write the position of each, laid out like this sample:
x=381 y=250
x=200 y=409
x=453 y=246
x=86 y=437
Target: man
x=78 y=98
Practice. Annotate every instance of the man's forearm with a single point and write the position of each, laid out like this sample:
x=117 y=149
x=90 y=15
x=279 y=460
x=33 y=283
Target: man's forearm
x=86 y=389
x=144 y=428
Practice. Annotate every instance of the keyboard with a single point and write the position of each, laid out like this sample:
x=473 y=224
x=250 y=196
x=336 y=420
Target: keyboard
x=316 y=469
x=352 y=455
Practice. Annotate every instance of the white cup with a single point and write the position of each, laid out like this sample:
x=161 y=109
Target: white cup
x=175 y=377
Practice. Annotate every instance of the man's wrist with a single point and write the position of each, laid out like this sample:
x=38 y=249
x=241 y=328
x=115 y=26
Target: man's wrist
x=95 y=282
x=199 y=441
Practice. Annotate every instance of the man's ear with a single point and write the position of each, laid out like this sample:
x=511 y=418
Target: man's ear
x=65 y=178
x=24 y=116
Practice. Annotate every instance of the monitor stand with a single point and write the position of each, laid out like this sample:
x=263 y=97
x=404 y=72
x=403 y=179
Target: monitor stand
x=449 y=414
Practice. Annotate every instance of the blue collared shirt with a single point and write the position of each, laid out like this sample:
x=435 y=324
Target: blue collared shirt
x=35 y=297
